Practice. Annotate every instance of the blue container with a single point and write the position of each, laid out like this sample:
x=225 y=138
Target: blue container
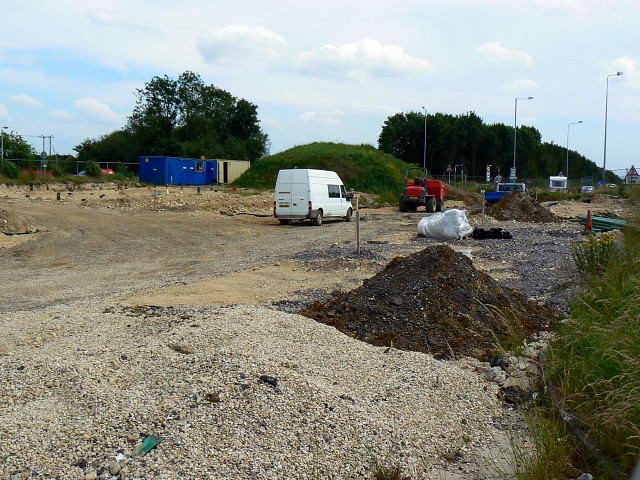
x=178 y=171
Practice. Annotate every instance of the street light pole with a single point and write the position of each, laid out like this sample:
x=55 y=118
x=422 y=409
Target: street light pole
x=606 y=105
x=2 y=149
x=515 y=133
x=567 y=170
x=424 y=158
x=2 y=145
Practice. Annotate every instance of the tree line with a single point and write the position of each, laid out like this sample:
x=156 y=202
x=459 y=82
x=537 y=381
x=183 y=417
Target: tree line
x=467 y=142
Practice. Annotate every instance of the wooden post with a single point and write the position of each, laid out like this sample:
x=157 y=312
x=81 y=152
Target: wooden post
x=357 y=224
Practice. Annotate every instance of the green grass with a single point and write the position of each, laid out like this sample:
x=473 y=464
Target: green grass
x=361 y=167
x=545 y=450
x=595 y=361
x=38 y=178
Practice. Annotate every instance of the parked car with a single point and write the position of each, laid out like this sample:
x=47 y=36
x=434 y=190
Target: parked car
x=586 y=189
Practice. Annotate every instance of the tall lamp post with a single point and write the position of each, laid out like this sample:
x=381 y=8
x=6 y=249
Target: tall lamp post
x=424 y=158
x=606 y=104
x=2 y=148
x=515 y=134
x=567 y=170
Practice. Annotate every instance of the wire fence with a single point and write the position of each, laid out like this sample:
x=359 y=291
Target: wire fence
x=76 y=167
x=618 y=176
x=63 y=165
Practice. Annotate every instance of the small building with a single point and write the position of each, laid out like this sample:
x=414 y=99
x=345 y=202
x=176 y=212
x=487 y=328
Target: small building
x=632 y=177
x=558 y=183
x=158 y=170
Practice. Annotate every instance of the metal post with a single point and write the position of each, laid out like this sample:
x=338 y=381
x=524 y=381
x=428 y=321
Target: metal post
x=424 y=158
x=606 y=104
x=2 y=149
x=567 y=169
x=515 y=134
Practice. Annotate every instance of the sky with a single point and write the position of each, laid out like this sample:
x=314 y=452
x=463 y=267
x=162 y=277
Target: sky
x=331 y=70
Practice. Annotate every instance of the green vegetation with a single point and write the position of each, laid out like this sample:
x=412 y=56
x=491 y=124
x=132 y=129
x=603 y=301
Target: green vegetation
x=182 y=117
x=361 y=167
x=592 y=256
x=545 y=451
x=468 y=143
x=595 y=361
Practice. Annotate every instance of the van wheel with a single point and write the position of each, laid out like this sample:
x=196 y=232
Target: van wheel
x=348 y=217
x=283 y=221
x=318 y=220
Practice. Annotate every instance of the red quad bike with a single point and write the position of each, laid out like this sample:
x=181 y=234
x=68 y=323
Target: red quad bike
x=420 y=191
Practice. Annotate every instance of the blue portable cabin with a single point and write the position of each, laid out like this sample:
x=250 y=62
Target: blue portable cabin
x=178 y=171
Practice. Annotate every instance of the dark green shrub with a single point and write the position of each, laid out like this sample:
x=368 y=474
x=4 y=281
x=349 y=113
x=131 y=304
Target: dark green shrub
x=9 y=169
x=92 y=169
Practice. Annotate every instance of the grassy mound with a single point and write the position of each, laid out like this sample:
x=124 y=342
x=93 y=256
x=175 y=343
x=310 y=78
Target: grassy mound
x=361 y=167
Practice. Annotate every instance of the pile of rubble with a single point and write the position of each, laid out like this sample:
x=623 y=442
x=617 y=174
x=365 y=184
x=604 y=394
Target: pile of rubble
x=519 y=206
x=434 y=301
x=14 y=224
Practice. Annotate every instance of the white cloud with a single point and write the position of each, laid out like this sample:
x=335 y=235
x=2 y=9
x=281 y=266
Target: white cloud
x=497 y=53
x=240 y=40
x=61 y=116
x=359 y=60
x=330 y=117
x=97 y=111
x=376 y=111
x=108 y=19
x=520 y=85
x=629 y=68
x=27 y=100
x=4 y=113
x=577 y=6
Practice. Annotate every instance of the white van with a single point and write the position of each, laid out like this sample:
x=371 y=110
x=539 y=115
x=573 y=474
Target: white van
x=314 y=194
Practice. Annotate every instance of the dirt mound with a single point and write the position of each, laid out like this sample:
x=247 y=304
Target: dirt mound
x=433 y=301
x=14 y=224
x=519 y=206
x=459 y=194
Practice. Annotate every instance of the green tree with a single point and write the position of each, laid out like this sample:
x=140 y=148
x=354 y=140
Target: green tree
x=188 y=118
x=402 y=136
x=17 y=148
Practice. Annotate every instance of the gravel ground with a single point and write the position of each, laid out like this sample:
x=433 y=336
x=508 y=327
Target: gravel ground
x=236 y=385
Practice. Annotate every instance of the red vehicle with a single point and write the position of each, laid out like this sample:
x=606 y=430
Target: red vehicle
x=420 y=191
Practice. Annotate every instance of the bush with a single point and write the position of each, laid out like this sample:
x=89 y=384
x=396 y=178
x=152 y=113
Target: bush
x=10 y=169
x=92 y=169
x=593 y=256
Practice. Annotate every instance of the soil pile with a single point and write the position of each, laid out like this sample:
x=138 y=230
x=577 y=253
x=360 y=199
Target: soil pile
x=469 y=198
x=519 y=206
x=14 y=224
x=434 y=301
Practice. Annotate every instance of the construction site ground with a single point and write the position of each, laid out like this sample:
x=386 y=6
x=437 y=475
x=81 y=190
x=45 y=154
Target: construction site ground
x=374 y=278
x=214 y=245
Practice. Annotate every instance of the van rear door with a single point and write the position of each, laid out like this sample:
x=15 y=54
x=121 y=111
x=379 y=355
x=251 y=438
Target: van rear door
x=283 y=193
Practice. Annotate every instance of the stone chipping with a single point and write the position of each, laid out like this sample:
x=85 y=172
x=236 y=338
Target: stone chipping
x=78 y=401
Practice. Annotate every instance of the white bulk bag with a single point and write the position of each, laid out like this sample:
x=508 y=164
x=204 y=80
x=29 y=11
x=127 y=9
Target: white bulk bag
x=449 y=225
